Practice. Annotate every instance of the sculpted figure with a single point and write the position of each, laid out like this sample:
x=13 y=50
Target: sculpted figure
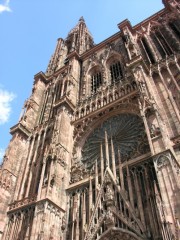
x=130 y=44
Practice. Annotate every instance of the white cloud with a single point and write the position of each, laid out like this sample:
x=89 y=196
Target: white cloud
x=5 y=105
x=5 y=7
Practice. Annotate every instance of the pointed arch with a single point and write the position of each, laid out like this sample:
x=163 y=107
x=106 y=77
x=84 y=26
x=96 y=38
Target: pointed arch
x=95 y=79
x=114 y=67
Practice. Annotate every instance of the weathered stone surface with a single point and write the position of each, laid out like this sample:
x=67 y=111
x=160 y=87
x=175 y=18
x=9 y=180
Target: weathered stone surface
x=95 y=154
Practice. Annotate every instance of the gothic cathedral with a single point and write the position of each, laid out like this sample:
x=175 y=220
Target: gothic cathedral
x=96 y=152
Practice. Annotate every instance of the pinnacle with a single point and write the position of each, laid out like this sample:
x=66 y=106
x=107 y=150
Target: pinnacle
x=81 y=19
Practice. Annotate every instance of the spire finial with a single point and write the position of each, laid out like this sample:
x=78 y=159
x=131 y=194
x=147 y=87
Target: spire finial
x=81 y=19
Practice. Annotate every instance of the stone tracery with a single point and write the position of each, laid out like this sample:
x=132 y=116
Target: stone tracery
x=127 y=133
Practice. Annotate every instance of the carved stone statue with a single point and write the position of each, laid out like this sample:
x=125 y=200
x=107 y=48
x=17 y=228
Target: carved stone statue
x=130 y=43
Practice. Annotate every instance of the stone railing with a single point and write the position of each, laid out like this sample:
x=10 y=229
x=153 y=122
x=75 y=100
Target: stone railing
x=22 y=202
x=104 y=96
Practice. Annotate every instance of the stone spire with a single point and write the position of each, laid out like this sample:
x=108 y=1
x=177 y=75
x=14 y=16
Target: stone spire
x=79 y=38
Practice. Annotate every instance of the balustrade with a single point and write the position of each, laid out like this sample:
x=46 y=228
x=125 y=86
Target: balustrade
x=104 y=96
x=22 y=202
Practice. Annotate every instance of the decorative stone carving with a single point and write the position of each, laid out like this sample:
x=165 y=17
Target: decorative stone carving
x=162 y=161
x=130 y=43
x=107 y=179
x=59 y=154
x=109 y=196
x=23 y=202
x=52 y=181
x=6 y=179
x=109 y=219
x=136 y=140
x=40 y=207
x=5 y=158
x=118 y=234
x=154 y=131
x=175 y=6
x=55 y=137
x=64 y=220
x=78 y=171
x=139 y=76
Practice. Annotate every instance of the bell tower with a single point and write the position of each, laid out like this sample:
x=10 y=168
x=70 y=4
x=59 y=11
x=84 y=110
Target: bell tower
x=79 y=38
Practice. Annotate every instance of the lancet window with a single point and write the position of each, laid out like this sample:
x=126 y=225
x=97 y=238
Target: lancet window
x=58 y=90
x=147 y=50
x=96 y=81
x=163 y=38
x=158 y=45
x=163 y=42
x=116 y=72
x=65 y=87
x=46 y=174
x=175 y=27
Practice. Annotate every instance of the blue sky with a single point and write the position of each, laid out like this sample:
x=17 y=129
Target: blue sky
x=29 y=30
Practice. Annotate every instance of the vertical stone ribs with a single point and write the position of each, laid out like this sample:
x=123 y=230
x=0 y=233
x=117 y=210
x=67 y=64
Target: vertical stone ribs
x=120 y=196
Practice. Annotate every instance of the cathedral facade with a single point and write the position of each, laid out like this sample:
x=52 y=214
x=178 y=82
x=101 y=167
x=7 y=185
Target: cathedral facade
x=96 y=152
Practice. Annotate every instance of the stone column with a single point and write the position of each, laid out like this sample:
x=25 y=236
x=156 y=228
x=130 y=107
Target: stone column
x=139 y=200
x=49 y=178
x=107 y=149
x=102 y=163
x=73 y=236
x=165 y=140
x=20 y=224
x=176 y=63
x=113 y=159
x=77 y=217
x=121 y=176
x=12 y=228
x=38 y=166
x=172 y=77
x=169 y=187
x=83 y=214
x=130 y=186
x=96 y=180
x=151 y=46
x=62 y=89
x=90 y=197
x=146 y=128
x=41 y=180
x=21 y=192
x=169 y=96
x=43 y=107
x=167 y=31
x=31 y=169
x=7 y=229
